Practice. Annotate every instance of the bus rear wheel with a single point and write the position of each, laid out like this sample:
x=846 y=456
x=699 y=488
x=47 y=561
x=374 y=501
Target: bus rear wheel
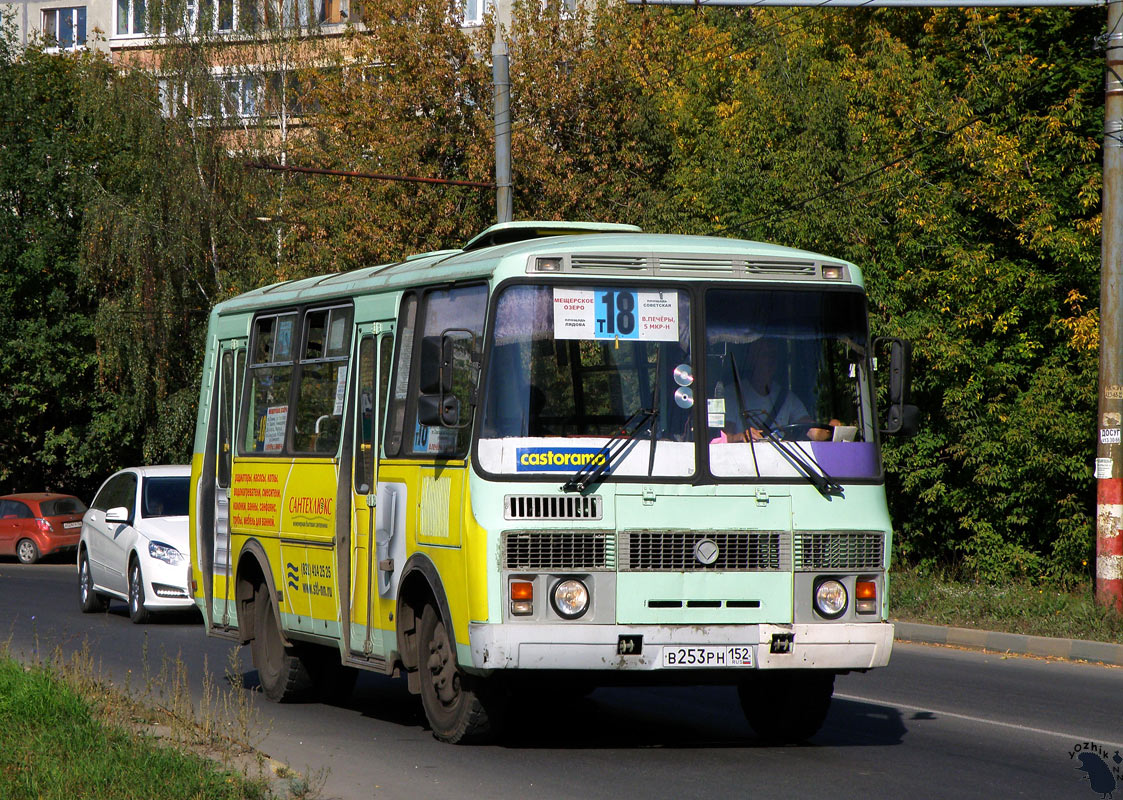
x=460 y=707
x=786 y=706
x=280 y=670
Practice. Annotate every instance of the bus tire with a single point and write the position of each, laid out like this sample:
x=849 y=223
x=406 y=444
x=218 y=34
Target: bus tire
x=281 y=672
x=461 y=708
x=786 y=706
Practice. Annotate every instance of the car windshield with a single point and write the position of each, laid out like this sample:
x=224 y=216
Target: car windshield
x=570 y=365
x=62 y=506
x=791 y=366
x=164 y=497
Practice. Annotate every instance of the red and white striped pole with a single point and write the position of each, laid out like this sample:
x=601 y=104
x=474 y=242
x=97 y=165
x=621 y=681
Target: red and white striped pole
x=1109 y=421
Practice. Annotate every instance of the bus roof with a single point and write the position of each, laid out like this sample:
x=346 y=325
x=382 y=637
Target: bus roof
x=604 y=249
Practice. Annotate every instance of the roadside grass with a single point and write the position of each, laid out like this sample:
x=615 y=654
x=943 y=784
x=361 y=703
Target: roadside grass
x=1026 y=607
x=55 y=744
x=66 y=733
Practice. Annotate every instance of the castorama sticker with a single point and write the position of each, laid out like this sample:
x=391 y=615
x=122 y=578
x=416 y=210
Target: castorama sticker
x=557 y=459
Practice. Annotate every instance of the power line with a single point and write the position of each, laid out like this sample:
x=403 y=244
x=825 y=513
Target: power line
x=368 y=175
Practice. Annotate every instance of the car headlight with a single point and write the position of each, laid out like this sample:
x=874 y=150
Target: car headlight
x=164 y=552
x=830 y=598
x=571 y=598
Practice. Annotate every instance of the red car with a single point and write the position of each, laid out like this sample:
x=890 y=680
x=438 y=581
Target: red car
x=37 y=524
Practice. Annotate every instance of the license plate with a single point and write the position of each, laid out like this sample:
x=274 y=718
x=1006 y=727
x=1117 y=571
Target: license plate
x=710 y=655
x=72 y=524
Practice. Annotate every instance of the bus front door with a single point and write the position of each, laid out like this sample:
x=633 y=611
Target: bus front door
x=378 y=508
x=232 y=363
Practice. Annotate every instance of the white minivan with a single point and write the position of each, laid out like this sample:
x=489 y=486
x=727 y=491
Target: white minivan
x=134 y=542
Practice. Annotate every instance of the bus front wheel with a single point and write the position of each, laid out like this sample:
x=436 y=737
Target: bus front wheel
x=786 y=706
x=460 y=707
x=280 y=670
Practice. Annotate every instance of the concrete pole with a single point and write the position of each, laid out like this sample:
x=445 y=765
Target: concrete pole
x=1109 y=472
x=501 y=78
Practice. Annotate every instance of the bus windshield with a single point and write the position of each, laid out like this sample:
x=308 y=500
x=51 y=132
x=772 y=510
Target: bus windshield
x=789 y=366
x=571 y=366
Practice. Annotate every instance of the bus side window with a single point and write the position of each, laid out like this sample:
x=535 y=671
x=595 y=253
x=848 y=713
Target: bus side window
x=270 y=377
x=226 y=378
x=364 y=454
x=460 y=308
x=322 y=380
x=396 y=416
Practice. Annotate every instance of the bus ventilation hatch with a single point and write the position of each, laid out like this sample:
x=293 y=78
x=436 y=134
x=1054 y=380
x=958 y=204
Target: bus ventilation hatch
x=546 y=507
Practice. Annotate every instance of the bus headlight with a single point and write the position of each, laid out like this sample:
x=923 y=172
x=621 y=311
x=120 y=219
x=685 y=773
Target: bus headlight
x=830 y=598
x=570 y=598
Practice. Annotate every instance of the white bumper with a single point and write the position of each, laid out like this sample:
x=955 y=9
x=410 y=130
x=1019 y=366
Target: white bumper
x=165 y=585
x=595 y=647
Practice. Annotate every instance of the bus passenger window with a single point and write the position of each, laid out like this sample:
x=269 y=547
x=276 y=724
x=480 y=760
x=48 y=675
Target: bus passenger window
x=267 y=402
x=323 y=381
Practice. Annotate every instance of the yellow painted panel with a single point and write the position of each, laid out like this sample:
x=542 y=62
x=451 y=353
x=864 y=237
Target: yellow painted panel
x=193 y=511
x=475 y=560
x=435 y=511
x=257 y=495
x=308 y=511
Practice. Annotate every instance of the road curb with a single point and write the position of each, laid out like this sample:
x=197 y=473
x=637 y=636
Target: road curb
x=1020 y=644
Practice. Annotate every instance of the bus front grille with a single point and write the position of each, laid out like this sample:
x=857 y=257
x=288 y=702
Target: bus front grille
x=559 y=550
x=548 y=506
x=715 y=551
x=842 y=550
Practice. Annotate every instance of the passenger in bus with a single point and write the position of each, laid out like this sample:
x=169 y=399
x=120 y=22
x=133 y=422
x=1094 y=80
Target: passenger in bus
x=769 y=401
x=536 y=402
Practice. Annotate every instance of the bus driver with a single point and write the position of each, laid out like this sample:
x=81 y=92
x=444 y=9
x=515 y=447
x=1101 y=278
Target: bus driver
x=767 y=400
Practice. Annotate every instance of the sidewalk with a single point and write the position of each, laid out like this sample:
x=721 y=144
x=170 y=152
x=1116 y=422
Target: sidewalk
x=1016 y=643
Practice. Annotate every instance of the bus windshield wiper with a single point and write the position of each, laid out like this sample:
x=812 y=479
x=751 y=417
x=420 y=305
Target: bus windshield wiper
x=601 y=462
x=804 y=463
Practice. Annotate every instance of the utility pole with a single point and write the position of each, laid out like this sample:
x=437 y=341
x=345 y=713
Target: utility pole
x=501 y=78
x=1109 y=477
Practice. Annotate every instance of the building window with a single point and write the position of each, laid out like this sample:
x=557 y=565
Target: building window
x=65 y=28
x=239 y=95
x=131 y=17
x=473 y=11
x=173 y=96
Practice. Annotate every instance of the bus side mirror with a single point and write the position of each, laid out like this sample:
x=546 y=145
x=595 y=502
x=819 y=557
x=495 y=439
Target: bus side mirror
x=436 y=365
x=436 y=409
x=446 y=361
x=903 y=416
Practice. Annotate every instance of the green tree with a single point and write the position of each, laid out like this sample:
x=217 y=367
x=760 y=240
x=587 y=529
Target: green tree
x=952 y=154
x=48 y=364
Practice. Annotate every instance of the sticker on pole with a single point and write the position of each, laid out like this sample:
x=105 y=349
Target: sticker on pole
x=1104 y=468
x=1109 y=435
x=615 y=314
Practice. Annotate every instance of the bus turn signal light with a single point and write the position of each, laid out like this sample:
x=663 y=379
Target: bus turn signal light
x=522 y=598
x=865 y=592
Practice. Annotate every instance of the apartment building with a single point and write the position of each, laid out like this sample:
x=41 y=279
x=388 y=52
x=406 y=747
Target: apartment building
x=121 y=26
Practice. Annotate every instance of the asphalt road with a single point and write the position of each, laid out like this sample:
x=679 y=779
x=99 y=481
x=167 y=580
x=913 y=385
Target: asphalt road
x=937 y=722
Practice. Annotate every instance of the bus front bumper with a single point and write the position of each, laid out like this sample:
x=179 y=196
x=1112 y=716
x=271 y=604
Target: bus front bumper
x=838 y=646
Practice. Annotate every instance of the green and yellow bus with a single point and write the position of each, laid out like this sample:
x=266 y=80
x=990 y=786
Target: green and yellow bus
x=564 y=455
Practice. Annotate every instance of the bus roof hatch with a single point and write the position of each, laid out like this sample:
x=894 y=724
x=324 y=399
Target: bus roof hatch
x=511 y=232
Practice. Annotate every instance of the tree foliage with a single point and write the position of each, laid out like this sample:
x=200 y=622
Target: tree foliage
x=953 y=154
